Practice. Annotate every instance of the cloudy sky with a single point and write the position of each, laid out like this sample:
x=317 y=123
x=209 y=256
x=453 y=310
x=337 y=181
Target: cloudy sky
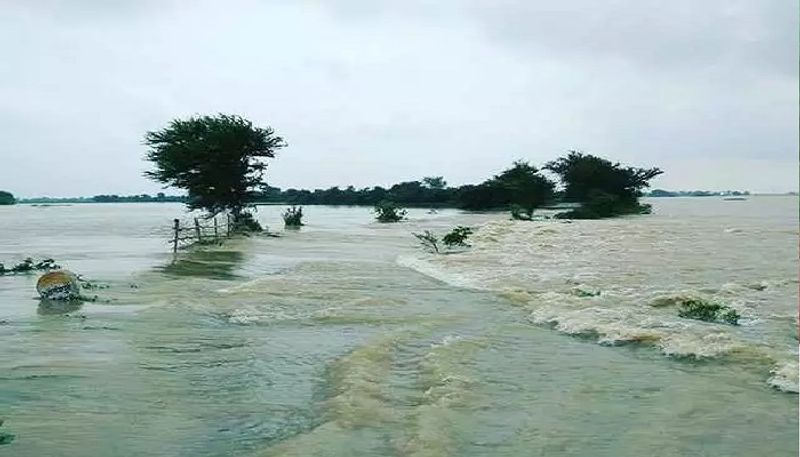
x=374 y=92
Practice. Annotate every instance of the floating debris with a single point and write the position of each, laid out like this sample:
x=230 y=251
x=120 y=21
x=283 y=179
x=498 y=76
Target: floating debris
x=28 y=265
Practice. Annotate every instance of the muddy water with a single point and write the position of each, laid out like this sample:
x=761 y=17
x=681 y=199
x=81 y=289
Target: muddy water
x=344 y=339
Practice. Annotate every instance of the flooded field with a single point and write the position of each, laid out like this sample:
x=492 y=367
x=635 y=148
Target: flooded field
x=344 y=338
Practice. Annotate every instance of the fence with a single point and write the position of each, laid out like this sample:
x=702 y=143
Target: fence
x=197 y=232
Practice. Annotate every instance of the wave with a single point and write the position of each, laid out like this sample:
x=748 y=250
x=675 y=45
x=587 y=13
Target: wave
x=622 y=282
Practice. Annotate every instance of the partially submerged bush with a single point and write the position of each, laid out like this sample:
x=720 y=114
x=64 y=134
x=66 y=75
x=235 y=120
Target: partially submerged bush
x=708 y=312
x=293 y=217
x=387 y=211
x=246 y=222
x=428 y=240
x=457 y=237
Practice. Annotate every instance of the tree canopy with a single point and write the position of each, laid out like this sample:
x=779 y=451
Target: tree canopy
x=603 y=188
x=7 y=198
x=521 y=185
x=219 y=160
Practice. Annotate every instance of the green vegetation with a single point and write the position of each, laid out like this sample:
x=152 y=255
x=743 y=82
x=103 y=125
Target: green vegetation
x=218 y=160
x=520 y=187
x=7 y=198
x=604 y=189
x=293 y=217
x=244 y=222
x=708 y=312
x=141 y=198
x=697 y=193
x=388 y=211
x=428 y=240
x=455 y=238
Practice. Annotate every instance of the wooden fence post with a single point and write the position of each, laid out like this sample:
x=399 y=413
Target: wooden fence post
x=176 y=227
x=228 y=225
x=197 y=229
x=216 y=230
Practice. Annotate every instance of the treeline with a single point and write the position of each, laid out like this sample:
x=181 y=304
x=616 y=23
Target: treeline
x=410 y=193
x=600 y=187
x=141 y=198
x=696 y=193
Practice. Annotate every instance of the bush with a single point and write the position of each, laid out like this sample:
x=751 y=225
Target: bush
x=293 y=217
x=387 y=211
x=457 y=237
x=428 y=240
x=245 y=222
x=708 y=312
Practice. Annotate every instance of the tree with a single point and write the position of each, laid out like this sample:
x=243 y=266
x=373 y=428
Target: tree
x=522 y=187
x=434 y=182
x=603 y=188
x=388 y=211
x=7 y=198
x=527 y=189
x=219 y=160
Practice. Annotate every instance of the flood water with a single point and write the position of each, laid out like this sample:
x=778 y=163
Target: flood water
x=346 y=339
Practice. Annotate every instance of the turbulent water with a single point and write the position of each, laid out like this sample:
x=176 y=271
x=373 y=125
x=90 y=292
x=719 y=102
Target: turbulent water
x=344 y=338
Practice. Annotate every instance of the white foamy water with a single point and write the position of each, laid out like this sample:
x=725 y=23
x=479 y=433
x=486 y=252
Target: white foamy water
x=622 y=280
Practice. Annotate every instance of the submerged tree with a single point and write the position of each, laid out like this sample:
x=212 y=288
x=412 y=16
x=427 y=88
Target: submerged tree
x=7 y=198
x=293 y=216
x=219 y=160
x=521 y=187
x=603 y=188
x=388 y=211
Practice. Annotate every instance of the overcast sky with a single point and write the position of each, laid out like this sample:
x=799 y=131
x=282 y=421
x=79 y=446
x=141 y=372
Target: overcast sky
x=372 y=93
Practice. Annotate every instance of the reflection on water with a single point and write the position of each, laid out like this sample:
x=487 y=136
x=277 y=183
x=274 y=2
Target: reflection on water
x=319 y=343
x=51 y=307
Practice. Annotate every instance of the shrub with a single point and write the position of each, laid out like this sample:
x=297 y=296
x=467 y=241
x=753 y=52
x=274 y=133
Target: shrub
x=245 y=222
x=708 y=312
x=457 y=237
x=387 y=211
x=7 y=198
x=428 y=240
x=293 y=217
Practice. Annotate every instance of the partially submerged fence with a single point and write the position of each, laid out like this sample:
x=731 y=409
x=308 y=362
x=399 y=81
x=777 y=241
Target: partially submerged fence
x=201 y=230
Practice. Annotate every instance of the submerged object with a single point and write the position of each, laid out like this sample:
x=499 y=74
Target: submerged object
x=58 y=285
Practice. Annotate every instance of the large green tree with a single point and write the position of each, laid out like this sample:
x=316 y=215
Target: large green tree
x=7 y=198
x=219 y=160
x=521 y=186
x=603 y=188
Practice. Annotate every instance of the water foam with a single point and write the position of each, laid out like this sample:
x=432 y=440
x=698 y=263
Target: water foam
x=623 y=281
